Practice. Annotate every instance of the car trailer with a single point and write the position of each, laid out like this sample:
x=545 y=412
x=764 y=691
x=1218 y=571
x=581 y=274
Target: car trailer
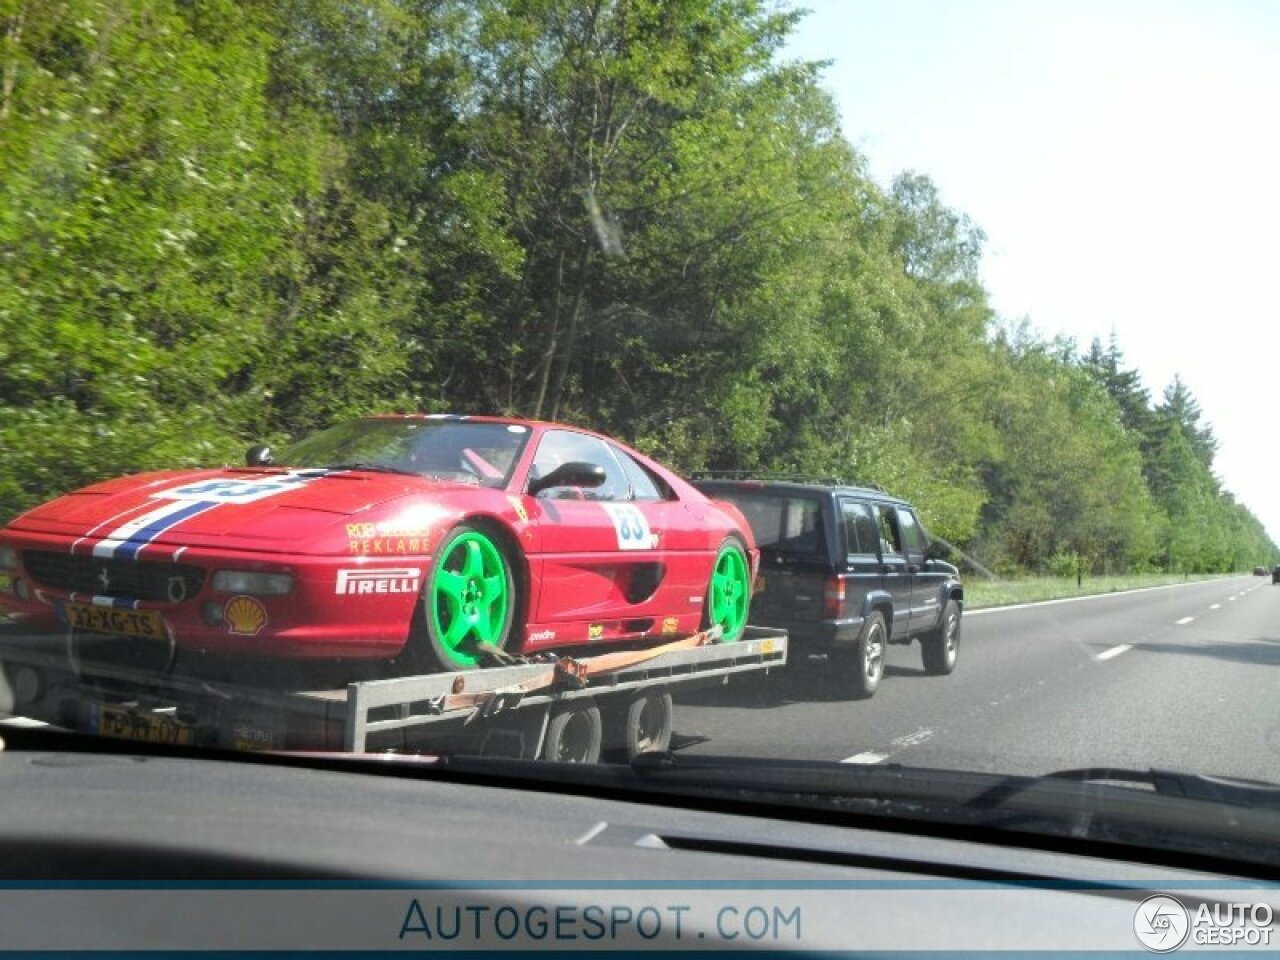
x=569 y=709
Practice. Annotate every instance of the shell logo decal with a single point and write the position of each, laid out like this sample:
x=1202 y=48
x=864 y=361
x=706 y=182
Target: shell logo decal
x=245 y=616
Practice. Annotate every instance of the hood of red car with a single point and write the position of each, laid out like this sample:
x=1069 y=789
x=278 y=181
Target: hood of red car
x=255 y=509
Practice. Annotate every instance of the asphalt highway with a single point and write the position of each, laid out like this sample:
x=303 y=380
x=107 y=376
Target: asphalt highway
x=1182 y=678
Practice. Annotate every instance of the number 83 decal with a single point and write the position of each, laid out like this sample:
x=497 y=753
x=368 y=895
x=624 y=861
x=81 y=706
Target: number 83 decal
x=631 y=527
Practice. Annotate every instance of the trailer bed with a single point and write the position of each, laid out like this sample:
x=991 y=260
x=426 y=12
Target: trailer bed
x=503 y=709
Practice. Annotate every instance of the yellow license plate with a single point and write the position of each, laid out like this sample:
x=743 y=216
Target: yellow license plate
x=147 y=624
x=251 y=738
x=147 y=727
x=759 y=586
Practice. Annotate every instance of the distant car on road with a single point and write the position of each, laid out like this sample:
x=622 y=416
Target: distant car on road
x=1259 y=571
x=847 y=570
x=1275 y=574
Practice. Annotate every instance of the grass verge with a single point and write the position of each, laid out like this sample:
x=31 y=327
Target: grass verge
x=999 y=593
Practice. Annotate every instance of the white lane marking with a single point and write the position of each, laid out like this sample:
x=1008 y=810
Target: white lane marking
x=1091 y=596
x=897 y=745
x=1215 y=606
x=869 y=757
x=591 y=834
x=1230 y=598
x=912 y=739
x=1114 y=651
x=1184 y=620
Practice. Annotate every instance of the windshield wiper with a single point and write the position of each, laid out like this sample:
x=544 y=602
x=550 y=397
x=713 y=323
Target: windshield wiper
x=1254 y=794
x=972 y=790
x=370 y=468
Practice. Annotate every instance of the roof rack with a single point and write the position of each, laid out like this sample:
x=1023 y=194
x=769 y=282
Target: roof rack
x=782 y=477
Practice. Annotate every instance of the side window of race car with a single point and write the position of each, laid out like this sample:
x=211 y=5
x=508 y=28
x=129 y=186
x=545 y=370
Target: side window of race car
x=644 y=485
x=565 y=446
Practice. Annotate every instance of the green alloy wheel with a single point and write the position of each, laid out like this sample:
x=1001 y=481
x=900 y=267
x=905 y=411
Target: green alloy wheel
x=729 y=595
x=470 y=598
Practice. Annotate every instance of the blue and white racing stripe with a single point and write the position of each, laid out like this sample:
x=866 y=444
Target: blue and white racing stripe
x=127 y=540
x=118 y=603
x=187 y=501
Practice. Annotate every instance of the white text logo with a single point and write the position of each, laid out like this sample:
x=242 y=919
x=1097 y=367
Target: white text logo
x=399 y=580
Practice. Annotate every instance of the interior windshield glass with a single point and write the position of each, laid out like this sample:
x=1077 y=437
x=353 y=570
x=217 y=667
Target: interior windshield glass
x=365 y=368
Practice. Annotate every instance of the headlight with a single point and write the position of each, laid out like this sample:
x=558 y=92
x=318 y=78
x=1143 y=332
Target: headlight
x=8 y=558
x=258 y=584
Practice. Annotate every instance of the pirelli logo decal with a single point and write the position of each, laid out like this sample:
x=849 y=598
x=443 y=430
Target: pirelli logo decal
x=397 y=580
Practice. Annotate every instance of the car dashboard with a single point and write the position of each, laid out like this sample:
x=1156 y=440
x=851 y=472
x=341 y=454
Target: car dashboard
x=156 y=851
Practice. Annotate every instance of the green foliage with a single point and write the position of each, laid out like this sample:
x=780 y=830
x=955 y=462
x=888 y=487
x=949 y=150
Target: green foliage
x=229 y=221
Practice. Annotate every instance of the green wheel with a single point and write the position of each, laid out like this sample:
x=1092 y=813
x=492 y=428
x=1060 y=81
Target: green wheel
x=469 y=599
x=729 y=593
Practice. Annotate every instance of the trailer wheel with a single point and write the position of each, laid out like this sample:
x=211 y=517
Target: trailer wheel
x=468 y=603
x=574 y=733
x=641 y=725
x=728 y=599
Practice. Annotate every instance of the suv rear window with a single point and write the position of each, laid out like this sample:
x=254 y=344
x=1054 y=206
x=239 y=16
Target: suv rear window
x=791 y=525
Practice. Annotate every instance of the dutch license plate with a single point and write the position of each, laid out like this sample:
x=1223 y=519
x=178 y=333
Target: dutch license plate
x=147 y=727
x=250 y=737
x=147 y=624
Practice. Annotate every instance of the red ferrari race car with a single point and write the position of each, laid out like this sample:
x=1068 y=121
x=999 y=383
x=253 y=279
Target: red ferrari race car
x=423 y=538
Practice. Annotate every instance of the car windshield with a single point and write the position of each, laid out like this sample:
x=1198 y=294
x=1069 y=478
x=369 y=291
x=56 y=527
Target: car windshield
x=973 y=300
x=478 y=453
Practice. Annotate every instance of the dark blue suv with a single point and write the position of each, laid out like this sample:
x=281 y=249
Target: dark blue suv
x=847 y=570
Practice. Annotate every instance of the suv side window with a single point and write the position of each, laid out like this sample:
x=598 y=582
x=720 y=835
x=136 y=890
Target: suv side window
x=565 y=446
x=912 y=535
x=890 y=542
x=860 y=536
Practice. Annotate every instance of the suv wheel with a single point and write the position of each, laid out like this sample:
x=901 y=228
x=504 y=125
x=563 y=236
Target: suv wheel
x=940 y=648
x=861 y=667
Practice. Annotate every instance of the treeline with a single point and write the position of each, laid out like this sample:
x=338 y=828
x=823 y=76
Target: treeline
x=228 y=221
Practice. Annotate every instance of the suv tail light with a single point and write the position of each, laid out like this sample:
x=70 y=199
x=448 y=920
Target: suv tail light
x=833 y=598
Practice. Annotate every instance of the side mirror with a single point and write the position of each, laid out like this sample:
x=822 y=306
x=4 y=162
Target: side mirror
x=571 y=474
x=259 y=455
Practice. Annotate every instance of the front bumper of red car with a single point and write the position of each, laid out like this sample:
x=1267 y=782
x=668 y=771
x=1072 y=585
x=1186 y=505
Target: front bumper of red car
x=281 y=605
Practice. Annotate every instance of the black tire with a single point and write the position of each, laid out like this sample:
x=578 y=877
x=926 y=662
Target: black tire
x=861 y=667
x=641 y=724
x=940 y=649
x=574 y=733
x=427 y=650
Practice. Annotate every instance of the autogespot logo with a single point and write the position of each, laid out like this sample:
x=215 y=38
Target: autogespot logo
x=1161 y=924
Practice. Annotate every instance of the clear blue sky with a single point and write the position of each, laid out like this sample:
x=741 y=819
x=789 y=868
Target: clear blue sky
x=1123 y=158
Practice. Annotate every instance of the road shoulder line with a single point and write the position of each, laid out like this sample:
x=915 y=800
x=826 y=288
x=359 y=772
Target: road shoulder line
x=1087 y=596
